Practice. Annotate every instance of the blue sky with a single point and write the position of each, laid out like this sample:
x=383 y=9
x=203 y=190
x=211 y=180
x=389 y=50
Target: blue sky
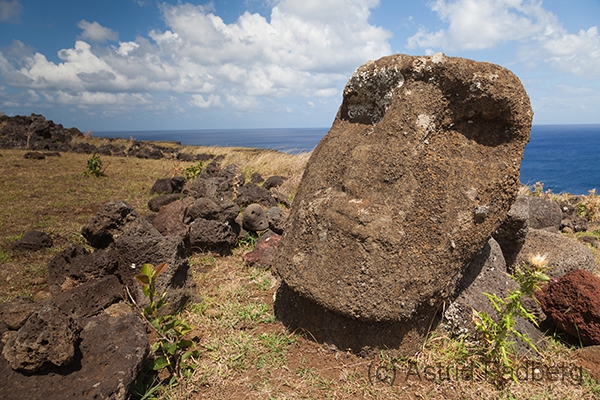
x=104 y=65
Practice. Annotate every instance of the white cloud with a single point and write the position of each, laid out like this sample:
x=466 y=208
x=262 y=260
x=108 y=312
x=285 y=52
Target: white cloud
x=95 y=32
x=485 y=24
x=578 y=54
x=212 y=101
x=307 y=48
x=241 y=102
x=10 y=10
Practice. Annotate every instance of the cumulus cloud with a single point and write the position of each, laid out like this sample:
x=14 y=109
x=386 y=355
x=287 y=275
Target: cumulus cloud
x=307 y=48
x=212 y=101
x=95 y=32
x=484 y=24
x=10 y=10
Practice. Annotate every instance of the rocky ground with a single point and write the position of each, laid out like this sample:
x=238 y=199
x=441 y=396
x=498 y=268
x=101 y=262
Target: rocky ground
x=245 y=352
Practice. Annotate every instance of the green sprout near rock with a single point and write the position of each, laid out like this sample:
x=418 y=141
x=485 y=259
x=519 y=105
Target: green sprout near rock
x=193 y=171
x=498 y=332
x=171 y=349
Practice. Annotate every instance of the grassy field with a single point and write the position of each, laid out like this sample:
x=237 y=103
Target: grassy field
x=244 y=351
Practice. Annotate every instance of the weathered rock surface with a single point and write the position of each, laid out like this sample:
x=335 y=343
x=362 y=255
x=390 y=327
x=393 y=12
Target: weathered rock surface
x=251 y=193
x=33 y=241
x=512 y=233
x=14 y=313
x=223 y=211
x=573 y=304
x=170 y=219
x=273 y=182
x=277 y=219
x=176 y=280
x=544 y=213
x=563 y=254
x=255 y=218
x=90 y=298
x=485 y=274
x=418 y=170
x=264 y=251
x=209 y=235
x=110 y=355
x=157 y=202
x=168 y=185
x=115 y=219
x=76 y=265
x=46 y=339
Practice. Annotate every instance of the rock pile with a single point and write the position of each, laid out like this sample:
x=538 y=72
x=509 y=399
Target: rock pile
x=83 y=340
x=216 y=209
x=34 y=132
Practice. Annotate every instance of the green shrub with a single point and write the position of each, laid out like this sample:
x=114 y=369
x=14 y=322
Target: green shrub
x=498 y=333
x=95 y=166
x=171 y=349
x=193 y=171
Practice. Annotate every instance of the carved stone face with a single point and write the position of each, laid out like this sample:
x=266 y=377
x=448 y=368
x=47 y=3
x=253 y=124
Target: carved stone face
x=419 y=168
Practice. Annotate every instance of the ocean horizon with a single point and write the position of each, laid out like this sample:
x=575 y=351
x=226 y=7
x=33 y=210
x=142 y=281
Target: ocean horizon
x=562 y=157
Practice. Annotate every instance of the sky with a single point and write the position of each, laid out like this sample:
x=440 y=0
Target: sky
x=121 y=65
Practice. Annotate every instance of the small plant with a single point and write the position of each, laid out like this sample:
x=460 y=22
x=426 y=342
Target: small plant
x=95 y=166
x=193 y=171
x=538 y=189
x=248 y=241
x=171 y=348
x=4 y=256
x=498 y=333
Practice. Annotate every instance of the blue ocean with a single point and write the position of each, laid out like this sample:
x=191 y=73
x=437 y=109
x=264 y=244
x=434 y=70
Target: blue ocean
x=565 y=158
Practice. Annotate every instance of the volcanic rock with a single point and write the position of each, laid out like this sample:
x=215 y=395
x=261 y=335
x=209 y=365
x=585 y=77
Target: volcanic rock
x=33 y=241
x=544 y=213
x=512 y=233
x=420 y=167
x=255 y=218
x=573 y=304
x=563 y=254
x=115 y=219
x=47 y=338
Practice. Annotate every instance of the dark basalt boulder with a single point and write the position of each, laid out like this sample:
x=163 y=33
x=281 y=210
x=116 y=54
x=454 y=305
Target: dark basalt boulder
x=277 y=219
x=47 y=338
x=205 y=208
x=115 y=219
x=513 y=231
x=157 y=202
x=34 y=155
x=33 y=241
x=176 y=280
x=170 y=219
x=252 y=193
x=110 y=353
x=563 y=254
x=273 y=182
x=544 y=214
x=210 y=235
x=76 y=265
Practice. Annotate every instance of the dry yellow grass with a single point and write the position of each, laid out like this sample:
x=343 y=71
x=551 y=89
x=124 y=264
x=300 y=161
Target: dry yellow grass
x=245 y=351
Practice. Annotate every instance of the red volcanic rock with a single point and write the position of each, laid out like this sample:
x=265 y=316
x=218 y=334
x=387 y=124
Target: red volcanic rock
x=263 y=253
x=573 y=303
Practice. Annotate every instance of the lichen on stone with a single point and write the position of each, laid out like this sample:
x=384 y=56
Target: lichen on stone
x=369 y=93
